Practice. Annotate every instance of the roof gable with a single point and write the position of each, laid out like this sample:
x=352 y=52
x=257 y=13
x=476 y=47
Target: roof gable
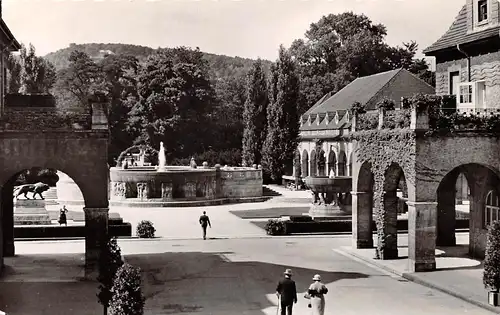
x=360 y=90
x=462 y=30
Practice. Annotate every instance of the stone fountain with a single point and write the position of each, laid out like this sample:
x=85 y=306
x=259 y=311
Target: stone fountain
x=331 y=198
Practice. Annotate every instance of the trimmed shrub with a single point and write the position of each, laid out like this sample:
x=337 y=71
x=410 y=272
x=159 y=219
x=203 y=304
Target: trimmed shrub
x=275 y=227
x=127 y=293
x=109 y=263
x=145 y=229
x=491 y=274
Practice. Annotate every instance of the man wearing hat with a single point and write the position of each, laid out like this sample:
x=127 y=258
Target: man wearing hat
x=287 y=293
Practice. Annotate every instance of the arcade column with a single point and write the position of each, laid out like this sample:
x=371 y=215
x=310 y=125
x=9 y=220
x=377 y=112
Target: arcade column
x=96 y=234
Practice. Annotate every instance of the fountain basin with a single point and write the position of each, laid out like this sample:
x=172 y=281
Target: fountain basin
x=183 y=185
x=331 y=198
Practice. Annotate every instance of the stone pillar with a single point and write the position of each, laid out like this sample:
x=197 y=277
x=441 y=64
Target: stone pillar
x=7 y=205
x=446 y=218
x=96 y=233
x=8 y=228
x=362 y=236
x=390 y=250
x=422 y=236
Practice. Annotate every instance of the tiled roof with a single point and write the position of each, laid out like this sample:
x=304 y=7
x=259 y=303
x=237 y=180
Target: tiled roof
x=14 y=44
x=457 y=34
x=361 y=90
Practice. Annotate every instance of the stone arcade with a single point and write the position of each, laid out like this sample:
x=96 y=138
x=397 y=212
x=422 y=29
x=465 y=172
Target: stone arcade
x=73 y=143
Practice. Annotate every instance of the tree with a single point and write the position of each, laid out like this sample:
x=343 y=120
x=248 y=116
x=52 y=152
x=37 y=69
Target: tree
x=120 y=72
x=226 y=121
x=13 y=74
x=109 y=263
x=36 y=74
x=254 y=115
x=491 y=274
x=341 y=47
x=127 y=293
x=82 y=78
x=282 y=116
x=175 y=100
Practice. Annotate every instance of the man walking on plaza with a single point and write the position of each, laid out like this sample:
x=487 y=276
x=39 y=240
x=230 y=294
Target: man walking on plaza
x=204 y=221
x=287 y=293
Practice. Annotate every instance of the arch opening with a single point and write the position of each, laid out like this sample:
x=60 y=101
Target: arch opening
x=332 y=162
x=305 y=163
x=393 y=203
x=30 y=197
x=312 y=164
x=342 y=164
x=467 y=197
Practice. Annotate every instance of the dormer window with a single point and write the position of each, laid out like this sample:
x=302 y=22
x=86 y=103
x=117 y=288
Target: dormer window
x=482 y=9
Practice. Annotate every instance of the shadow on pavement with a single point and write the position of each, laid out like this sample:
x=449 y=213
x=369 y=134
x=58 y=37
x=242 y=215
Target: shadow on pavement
x=173 y=283
x=210 y=283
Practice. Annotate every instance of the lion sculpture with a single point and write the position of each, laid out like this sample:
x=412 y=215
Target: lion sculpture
x=37 y=188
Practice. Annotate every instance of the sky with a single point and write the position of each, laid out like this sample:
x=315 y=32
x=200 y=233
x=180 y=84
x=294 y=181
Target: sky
x=245 y=28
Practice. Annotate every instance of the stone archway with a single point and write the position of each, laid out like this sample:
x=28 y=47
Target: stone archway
x=313 y=170
x=387 y=220
x=342 y=164
x=332 y=162
x=80 y=154
x=321 y=163
x=305 y=163
x=362 y=207
x=483 y=182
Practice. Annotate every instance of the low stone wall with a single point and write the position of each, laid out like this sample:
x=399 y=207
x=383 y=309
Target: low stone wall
x=184 y=183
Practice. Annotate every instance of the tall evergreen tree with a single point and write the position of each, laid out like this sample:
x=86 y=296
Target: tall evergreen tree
x=282 y=116
x=255 y=114
x=13 y=74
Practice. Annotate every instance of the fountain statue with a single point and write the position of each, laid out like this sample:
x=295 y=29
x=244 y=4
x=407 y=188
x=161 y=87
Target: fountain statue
x=332 y=174
x=162 y=161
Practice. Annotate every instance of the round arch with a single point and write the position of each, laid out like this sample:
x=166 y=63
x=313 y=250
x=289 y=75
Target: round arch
x=484 y=183
x=305 y=163
x=342 y=163
x=313 y=164
x=321 y=163
x=332 y=161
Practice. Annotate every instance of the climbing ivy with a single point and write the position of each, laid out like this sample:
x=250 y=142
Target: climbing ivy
x=381 y=148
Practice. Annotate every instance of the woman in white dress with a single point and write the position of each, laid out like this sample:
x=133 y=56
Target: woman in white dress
x=317 y=291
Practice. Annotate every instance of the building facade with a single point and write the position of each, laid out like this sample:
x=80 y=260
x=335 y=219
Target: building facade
x=322 y=149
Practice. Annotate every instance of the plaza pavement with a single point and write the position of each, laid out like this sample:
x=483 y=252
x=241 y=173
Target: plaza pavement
x=235 y=272
x=219 y=277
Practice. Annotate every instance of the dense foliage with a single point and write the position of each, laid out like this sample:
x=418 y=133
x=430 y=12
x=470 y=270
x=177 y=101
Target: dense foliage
x=109 y=263
x=127 y=297
x=491 y=273
x=255 y=115
x=283 y=119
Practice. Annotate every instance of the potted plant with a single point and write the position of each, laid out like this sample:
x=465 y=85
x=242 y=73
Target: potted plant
x=491 y=275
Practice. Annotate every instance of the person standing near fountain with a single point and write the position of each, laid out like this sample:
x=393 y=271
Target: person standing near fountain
x=204 y=221
x=62 y=216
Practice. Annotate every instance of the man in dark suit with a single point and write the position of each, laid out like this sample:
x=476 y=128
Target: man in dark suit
x=204 y=222
x=287 y=292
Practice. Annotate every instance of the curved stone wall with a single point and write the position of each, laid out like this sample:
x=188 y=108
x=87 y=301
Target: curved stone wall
x=180 y=183
x=68 y=192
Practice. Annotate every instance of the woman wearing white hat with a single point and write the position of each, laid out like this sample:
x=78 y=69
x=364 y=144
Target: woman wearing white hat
x=317 y=291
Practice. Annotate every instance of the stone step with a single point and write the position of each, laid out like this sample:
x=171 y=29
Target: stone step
x=51 y=194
